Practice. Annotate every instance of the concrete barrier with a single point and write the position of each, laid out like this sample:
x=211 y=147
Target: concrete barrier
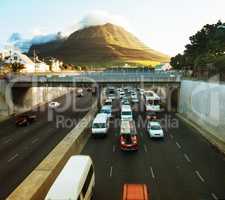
x=37 y=184
x=216 y=142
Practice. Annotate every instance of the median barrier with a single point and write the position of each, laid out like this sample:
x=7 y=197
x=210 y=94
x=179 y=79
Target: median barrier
x=37 y=184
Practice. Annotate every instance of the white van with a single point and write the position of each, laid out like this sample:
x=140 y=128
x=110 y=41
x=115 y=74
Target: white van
x=126 y=113
x=100 y=125
x=75 y=182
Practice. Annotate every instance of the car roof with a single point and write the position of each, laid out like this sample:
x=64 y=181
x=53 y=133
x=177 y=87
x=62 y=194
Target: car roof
x=154 y=123
x=100 y=118
x=106 y=107
x=135 y=191
x=126 y=108
x=127 y=127
x=68 y=184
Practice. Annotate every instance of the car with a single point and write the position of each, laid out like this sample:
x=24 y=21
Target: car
x=125 y=102
x=100 y=124
x=149 y=115
x=155 y=130
x=134 y=98
x=126 y=112
x=135 y=191
x=54 y=104
x=128 y=136
x=122 y=94
x=142 y=91
x=89 y=89
x=108 y=102
x=107 y=110
x=25 y=119
x=80 y=92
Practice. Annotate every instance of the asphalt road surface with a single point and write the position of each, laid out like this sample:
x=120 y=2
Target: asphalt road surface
x=23 y=148
x=182 y=166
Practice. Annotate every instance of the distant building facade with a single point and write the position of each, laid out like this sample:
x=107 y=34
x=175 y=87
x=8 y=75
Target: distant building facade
x=29 y=65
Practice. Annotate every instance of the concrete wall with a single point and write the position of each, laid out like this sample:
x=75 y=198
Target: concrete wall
x=3 y=105
x=203 y=103
x=21 y=99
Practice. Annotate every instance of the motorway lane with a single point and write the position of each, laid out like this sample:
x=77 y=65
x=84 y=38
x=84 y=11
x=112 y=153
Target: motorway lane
x=28 y=146
x=167 y=166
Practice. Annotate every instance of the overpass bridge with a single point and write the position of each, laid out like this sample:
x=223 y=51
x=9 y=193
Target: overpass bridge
x=99 y=78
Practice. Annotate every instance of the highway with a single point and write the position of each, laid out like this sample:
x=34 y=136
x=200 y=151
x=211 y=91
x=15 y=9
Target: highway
x=23 y=148
x=182 y=166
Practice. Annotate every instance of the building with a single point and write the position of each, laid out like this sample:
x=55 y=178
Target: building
x=17 y=57
x=56 y=65
x=29 y=65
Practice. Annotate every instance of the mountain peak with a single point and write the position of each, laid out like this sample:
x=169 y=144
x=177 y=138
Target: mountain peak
x=106 y=43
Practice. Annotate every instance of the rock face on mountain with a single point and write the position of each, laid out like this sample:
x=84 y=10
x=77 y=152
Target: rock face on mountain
x=96 y=45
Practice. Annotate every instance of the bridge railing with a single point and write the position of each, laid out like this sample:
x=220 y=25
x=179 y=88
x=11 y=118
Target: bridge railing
x=103 y=77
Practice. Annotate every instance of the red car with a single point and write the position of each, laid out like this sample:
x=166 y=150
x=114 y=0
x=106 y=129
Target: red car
x=128 y=136
x=25 y=119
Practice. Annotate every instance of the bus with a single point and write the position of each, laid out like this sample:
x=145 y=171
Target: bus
x=75 y=182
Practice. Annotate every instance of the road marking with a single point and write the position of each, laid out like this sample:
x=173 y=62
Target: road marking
x=13 y=157
x=152 y=173
x=199 y=176
x=35 y=140
x=187 y=158
x=214 y=196
x=145 y=148
x=114 y=148
x=111 y=169
x=7 y=141
x=171 y=136
x=178 y=145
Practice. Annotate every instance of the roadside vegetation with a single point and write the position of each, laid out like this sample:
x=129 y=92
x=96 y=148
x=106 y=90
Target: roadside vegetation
x=205 y=55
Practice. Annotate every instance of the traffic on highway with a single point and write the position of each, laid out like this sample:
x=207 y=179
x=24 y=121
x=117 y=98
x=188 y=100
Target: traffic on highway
x=137 y=150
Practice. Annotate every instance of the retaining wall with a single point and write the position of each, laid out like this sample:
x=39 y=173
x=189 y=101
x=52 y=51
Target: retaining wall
x=203 y=103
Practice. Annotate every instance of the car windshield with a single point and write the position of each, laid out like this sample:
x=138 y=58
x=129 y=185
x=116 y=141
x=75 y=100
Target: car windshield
x=151 y=114
x=99 y=125
x=126 y=113
x=105 y=111
x=155 y=127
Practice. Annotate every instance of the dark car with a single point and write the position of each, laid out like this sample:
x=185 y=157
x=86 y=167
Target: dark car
x=151 y=115
x=25 y=119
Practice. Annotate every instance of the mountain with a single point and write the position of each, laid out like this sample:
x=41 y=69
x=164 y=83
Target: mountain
x=100 y=45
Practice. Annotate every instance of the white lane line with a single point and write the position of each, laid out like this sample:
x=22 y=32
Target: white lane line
x=145 y=148
x=214 y=196
x=199 y=176
x=35 y=140
x=178 y=145
x=187 y=158
x=13 y=157
x=114 y=148
x=171 y=136
x=111 y=170
x=7 y=141
x=152 y=173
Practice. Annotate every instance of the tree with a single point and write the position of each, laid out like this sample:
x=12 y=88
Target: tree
x=16 y=67
x=205 y=47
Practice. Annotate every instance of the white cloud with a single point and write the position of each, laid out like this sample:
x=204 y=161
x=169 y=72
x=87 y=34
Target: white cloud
x=98 y=17
x=41 y=35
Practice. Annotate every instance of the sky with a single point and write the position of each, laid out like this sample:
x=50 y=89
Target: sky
x=164 y=25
